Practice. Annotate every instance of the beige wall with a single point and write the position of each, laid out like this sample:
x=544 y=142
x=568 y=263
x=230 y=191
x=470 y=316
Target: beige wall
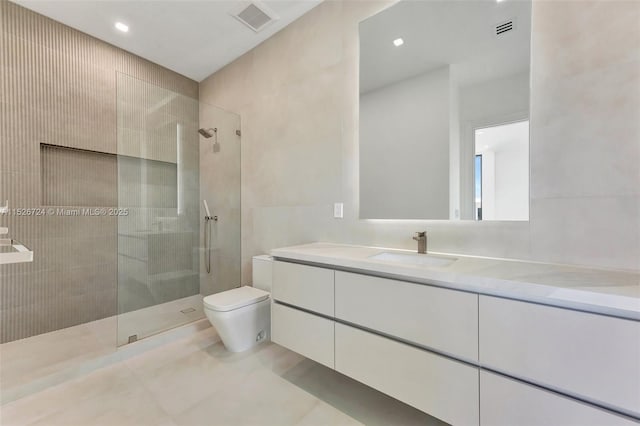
x=220 y=186
x=58 y=86
x=297 y=95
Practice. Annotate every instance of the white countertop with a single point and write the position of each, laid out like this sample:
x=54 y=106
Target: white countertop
x=601 y=291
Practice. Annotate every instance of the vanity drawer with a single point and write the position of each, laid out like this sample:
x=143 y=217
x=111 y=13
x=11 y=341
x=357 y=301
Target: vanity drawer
x=304 y=333
x=508 y=402
x=437 y=318
x=439 y=386
x=304 y=286
x=591 y=356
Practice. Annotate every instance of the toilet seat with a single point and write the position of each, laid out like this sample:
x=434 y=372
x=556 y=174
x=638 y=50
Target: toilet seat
x=234 y=299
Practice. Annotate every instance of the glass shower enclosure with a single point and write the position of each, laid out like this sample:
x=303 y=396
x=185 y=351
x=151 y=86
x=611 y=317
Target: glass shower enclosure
x=162 y=275
x=119 y=243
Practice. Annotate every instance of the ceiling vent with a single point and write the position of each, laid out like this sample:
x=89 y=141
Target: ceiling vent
x=505 y=27
x=255 y=15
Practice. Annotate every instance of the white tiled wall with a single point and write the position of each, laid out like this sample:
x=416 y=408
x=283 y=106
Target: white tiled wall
x=297 y=94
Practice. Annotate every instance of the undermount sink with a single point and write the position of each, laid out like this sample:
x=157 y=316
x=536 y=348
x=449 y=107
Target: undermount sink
x=414 y=259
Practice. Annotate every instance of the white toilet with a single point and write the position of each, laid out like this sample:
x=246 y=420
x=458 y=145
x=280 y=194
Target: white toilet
x=242 y=316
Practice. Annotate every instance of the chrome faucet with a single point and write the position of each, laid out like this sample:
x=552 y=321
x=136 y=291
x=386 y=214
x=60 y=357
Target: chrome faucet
x=421 y=238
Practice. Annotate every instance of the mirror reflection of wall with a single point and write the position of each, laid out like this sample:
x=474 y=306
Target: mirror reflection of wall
x=432 y=74
x=406 y=127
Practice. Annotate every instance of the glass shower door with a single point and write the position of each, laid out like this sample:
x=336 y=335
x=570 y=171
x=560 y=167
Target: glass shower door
x=158 y=210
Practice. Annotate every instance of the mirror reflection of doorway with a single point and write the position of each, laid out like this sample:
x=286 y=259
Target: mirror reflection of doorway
x=501 y=175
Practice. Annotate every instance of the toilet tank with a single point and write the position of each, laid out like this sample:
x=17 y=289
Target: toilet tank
x=262 y=267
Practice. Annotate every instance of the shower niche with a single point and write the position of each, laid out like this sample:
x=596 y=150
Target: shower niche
x=73 y=177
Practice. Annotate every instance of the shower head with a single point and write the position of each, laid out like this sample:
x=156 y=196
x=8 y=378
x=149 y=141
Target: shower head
x=207 y=133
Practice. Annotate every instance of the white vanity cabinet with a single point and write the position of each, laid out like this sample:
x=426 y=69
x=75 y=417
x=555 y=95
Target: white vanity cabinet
x=593 y=357
x=442 y=387
x=307 y=287
x=509 y=402
x=306 y=320
x=463 y=357
x=304 y=333
x=436 y=318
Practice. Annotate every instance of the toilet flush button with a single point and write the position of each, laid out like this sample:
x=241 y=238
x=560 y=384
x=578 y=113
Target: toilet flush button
x=338 y=210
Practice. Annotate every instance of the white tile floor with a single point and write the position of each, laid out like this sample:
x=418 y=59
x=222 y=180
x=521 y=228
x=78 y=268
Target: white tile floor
x=36 y=362
x=195 y=381
x=27 y=362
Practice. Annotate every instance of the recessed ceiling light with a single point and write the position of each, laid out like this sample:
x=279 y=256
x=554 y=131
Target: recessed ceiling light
x=122 y=27
x=480 y=132
x=499 y=1
x=398 y=42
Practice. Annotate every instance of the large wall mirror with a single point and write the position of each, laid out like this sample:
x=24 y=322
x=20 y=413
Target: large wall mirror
x=444 y=111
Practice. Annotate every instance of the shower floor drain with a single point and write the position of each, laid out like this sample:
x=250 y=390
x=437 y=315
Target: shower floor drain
x=188 y=310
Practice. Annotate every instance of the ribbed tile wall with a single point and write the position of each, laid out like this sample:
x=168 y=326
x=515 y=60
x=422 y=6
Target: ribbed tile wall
x=58 y=87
